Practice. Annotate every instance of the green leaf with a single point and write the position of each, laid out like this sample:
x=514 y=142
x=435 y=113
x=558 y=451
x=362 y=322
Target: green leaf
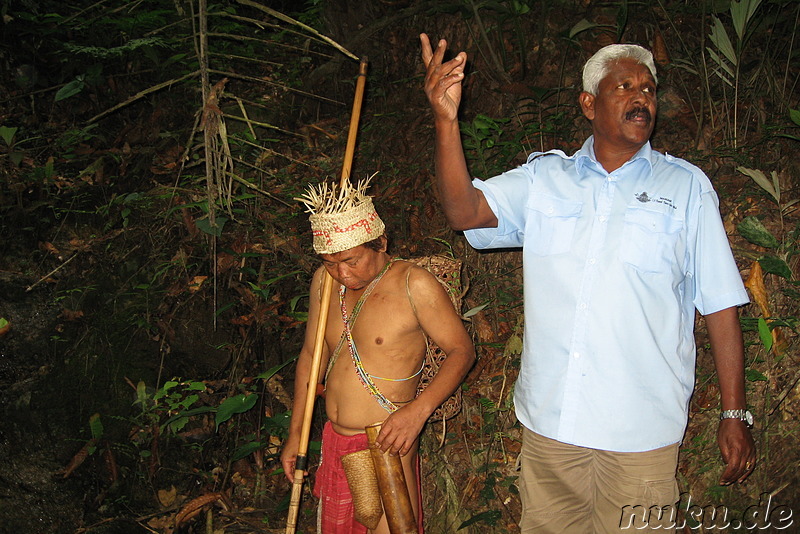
x=761 y=179
x=266 y=375
x=741 y=12
x=164 y=389
x=3 y=322
x=71 y=89
x=204 y=225
x=754 y=376
x=96 y=426
x=141 y=393
x=723 y=66
x=197 y=386
x=246 y=450
x=188 y=401
x=720 y=38
x=489 y=516
x=475 y=310
x=8 y=133
x=754 y=231
x=233 y=405
x=775 y=265
x=581 y=26
x=514 y=345
x=794 y=114
x=765 y=333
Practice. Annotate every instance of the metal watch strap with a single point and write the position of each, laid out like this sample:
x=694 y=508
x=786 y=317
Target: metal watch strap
x=742 y=415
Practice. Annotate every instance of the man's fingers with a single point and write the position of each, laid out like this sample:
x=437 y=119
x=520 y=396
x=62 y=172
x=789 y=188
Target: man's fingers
x=738 y=468
x=427 y=52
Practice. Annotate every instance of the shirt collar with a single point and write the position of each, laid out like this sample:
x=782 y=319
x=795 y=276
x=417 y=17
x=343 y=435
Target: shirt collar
x=585 y=159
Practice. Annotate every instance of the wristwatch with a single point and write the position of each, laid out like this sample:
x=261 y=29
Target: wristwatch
x=743 y=415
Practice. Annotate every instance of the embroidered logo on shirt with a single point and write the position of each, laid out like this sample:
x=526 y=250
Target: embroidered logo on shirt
x=644 y=198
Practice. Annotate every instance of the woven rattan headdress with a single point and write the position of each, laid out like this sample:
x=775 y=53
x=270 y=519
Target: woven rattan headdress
x=341 y=220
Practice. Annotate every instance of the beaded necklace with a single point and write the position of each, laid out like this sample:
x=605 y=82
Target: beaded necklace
x=363 y=376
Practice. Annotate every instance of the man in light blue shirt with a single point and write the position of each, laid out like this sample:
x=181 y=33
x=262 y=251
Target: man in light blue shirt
x=621 y=245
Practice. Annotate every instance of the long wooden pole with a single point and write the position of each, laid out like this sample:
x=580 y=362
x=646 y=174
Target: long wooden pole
x=301 y=463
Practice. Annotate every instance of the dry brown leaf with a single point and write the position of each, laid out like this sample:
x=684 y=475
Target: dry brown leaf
x=110 y=462
x=243 y=319
x=167 y=497
x=49 y=247
x=71 y=315
x=79 y=458
x=660 y=53
x=196 y=283
x=483 y=328
x=162 y=524
x=193 y=507
x=755 y=283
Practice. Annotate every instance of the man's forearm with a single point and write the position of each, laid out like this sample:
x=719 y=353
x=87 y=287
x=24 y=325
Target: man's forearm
x=463 y=205
x=727 y=349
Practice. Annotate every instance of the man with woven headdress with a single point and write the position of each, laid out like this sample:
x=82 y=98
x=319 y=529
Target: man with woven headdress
x=373 y=363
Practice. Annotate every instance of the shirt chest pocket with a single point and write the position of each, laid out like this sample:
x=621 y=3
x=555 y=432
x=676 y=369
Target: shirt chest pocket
x=550 y=225
x=650 y=241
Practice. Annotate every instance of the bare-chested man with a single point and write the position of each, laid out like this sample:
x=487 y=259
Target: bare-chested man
x=372 y=372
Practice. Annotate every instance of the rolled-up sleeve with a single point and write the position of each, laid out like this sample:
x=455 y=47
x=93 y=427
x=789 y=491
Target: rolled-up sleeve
x=507 y=195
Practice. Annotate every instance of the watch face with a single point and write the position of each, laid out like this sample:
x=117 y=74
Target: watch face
x=748 y=417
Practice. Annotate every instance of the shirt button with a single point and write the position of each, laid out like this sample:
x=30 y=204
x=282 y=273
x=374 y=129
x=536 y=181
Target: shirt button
x=576 y=355
x=592 y=261
x=602 y=218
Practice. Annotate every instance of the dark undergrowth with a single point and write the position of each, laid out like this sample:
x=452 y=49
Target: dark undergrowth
x=154 y=265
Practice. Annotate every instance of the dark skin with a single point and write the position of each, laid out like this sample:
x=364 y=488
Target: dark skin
x=622 y=114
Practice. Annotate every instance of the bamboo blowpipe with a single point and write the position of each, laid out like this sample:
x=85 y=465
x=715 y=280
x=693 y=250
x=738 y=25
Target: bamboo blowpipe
x=301 y=463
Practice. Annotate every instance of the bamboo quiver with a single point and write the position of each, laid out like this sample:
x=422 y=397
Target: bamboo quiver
x=392 y=486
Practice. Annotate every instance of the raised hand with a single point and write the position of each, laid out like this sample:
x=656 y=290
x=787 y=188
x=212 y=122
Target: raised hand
x=442 y=80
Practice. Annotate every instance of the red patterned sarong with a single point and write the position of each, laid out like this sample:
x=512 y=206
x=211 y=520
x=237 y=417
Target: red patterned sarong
x=330 y=484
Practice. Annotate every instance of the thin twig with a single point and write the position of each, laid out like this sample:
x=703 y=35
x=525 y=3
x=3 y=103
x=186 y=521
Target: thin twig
x=784 y=393
x=309 y=29
x=51 y=273
x=228 y=74
x=142 y=94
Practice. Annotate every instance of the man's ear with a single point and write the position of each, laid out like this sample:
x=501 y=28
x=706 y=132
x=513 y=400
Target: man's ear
x=587 y=104
x=384 y=243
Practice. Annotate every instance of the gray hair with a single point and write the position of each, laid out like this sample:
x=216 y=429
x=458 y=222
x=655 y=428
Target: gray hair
x=596 y=68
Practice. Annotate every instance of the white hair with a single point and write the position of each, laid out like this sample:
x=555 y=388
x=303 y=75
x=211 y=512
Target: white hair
x=596 y=68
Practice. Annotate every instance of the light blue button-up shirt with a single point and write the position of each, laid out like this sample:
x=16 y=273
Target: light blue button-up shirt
x=614 y=267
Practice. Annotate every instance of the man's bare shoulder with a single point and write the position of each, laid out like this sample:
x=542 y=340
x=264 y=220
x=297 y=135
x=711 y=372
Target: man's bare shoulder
x=416 y=275
x=421 y=283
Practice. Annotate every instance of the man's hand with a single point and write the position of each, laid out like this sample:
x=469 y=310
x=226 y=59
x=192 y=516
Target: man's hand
x=400 y=430
x=289 y=456
x=738 y=451
x=442 y=81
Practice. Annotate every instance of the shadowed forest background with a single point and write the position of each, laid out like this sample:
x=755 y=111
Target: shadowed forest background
x=154 y=265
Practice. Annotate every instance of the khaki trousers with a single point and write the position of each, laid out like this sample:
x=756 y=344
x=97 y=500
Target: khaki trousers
x=567 y=489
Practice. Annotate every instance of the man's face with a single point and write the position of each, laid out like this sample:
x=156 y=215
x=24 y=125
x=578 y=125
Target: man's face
x=355 y=268
x=623 y=111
